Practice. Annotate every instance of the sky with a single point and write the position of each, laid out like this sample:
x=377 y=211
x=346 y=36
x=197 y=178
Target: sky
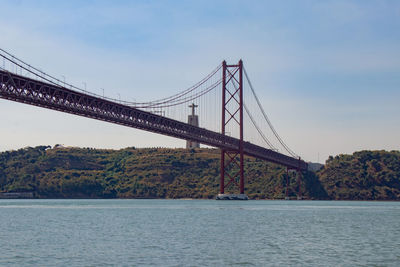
x=327 y=72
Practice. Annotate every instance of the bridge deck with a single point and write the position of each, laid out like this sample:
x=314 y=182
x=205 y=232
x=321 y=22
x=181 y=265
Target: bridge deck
x=29 y=91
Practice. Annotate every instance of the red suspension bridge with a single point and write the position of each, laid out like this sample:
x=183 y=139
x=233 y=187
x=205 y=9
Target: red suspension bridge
x=220 y=94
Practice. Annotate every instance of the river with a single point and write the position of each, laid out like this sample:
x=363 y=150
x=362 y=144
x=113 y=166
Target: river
x=198 y=233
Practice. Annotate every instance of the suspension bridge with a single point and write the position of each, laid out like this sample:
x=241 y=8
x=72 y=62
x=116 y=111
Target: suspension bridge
x=226 y=112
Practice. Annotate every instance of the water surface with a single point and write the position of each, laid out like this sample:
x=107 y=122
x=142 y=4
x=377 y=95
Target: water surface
x=198 y=233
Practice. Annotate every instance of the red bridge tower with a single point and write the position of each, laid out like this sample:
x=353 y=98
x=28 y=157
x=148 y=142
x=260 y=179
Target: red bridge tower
x=232 y=161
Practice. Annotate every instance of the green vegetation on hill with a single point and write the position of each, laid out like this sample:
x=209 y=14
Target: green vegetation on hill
x=136 y=173
x=180 y=173
x=372 y=175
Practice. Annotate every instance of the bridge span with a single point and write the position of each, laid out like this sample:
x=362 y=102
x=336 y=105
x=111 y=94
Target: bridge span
x=47 y=95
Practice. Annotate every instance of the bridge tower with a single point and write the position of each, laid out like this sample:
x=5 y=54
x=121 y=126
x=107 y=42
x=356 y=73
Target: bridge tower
x=232 y=160
x=193 y=120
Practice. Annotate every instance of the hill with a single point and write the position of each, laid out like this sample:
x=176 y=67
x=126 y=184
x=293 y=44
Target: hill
x=136 y=173
x=365 y=175
x=180 y=173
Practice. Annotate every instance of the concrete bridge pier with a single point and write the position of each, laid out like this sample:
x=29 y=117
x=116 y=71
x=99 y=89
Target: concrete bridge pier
x=232 y=197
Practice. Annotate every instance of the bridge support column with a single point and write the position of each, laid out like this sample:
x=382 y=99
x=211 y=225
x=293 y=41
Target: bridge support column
x=241 y=127
x=232 y=159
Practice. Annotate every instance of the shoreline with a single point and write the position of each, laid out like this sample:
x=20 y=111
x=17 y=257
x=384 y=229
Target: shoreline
x=271 y=199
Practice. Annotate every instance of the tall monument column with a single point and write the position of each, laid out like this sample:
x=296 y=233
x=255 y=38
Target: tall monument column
x=193 y=120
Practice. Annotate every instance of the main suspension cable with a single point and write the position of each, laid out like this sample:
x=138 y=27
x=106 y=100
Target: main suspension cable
x=258 y=129
x=255 y=124
x=176 y=99
x=186 y=99
x=267 y=119
x=178 y=95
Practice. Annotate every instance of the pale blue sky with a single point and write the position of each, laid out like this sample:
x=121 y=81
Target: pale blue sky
x=328 y=72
